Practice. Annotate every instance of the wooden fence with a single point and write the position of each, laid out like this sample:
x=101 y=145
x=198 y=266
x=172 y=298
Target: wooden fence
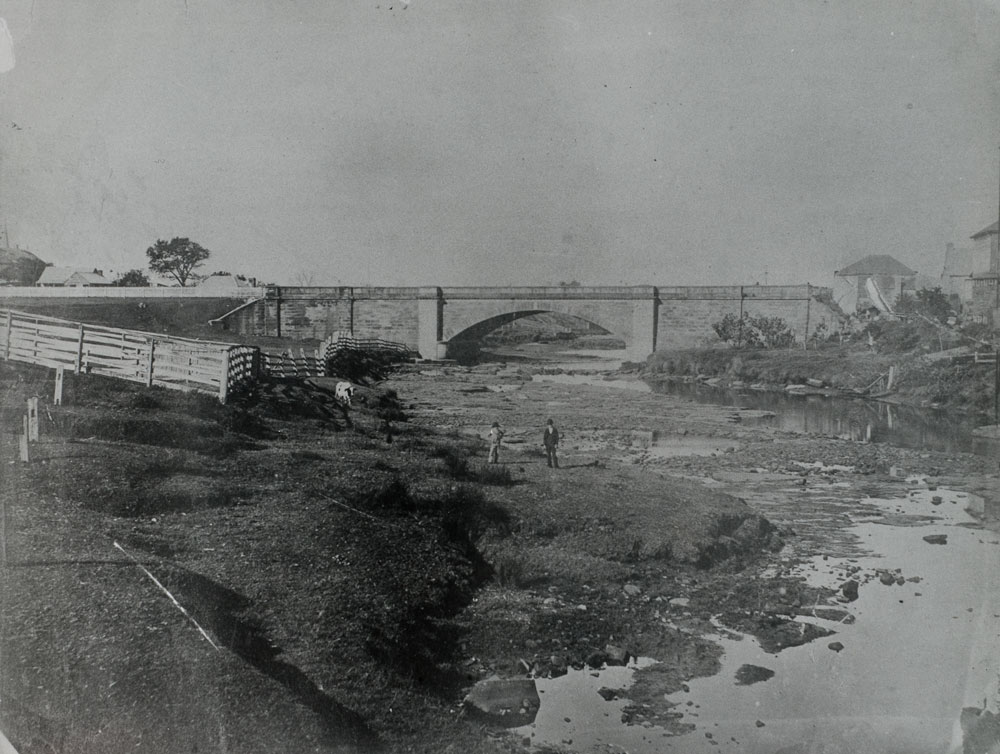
x=147 y=358
x=151 y=359
x=288 y=364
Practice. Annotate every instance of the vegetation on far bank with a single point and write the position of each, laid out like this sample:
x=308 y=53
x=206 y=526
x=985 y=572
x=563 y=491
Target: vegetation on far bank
x=856 y=360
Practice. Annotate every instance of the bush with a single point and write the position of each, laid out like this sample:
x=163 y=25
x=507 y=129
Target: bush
x=754 y=332
x=362 y=366
x=455 y=462
x=491 y=473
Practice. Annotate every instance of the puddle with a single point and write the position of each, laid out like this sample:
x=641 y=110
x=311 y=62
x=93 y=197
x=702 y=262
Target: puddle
x=573 y=714
x=917 y=653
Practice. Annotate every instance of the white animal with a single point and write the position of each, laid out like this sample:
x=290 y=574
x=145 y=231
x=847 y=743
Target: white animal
x=343 y=392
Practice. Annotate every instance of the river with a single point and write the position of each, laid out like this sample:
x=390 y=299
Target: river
x=846 y=418
x=916 y=652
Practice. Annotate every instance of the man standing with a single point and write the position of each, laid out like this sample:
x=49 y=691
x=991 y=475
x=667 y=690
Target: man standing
x=495 y=436
x=551 y=441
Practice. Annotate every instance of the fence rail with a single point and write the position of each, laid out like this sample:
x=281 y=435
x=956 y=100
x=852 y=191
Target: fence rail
x=132 y=355
x=152 y=359
x=288 y=364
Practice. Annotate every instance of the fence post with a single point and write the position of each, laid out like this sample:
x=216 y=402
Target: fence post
x=10 y=317
x=79 y=352
x=24 y=440
x=224 y=377
x=57 y=398
x=33 y=419
x=149 y=363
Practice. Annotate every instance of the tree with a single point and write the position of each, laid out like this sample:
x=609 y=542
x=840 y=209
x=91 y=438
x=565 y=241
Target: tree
x=929 y=302
x=178 y=258
x=132 y=279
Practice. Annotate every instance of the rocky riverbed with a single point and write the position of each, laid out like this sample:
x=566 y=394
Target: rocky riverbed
x=352 y=591
x=630 y=460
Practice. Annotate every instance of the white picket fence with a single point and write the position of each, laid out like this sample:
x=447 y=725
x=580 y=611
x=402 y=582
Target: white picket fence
x=147 y=358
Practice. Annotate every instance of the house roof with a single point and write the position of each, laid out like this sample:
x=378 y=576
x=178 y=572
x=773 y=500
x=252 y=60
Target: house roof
x=876 y=264
x=62 y=275
x=987 y=231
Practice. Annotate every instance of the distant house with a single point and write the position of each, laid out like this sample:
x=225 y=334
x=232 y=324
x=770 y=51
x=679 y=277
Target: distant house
x=19 y=267
x=959 y=267
x=878 y=276
x=68 y=277
x=986 y=282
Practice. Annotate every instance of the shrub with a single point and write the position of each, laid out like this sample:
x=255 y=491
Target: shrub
x=388 y=497
x=455 y=462
x=491 y=473
x=754 y=332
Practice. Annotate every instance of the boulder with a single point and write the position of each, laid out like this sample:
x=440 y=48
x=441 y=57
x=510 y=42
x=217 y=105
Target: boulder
x=850 y=590
x=596 y=659
x=936 y=539
x=836 y=646
x=632 y=590
x=616 y=655
x=750 y=674
x=510 y=702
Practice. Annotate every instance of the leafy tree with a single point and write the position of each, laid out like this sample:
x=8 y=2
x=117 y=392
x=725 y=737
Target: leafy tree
x=179 y=258
x=132 y=279
x=930 y=302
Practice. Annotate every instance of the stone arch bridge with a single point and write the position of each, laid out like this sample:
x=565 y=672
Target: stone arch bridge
x=428 y=319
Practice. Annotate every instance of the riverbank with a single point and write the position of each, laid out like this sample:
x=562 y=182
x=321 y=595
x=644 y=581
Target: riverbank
x=921 y=379
x=357 y=589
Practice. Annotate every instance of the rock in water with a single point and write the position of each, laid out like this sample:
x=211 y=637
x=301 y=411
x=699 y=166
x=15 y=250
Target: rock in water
x=616 y=655
x=836 y=646
x=936 y=539
x=850 y=590
x=510 y=702
x=750 y=674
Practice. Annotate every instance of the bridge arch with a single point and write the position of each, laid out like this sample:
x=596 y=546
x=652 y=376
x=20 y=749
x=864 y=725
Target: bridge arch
x=464 y=344
x=627 y=313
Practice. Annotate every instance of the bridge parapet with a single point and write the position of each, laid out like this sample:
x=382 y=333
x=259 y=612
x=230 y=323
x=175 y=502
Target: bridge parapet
x=555 y=292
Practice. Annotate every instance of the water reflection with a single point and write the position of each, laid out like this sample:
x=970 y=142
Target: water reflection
x=854 y=419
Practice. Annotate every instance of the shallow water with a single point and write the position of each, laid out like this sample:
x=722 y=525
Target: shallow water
x=916 y=655
x=846 y=418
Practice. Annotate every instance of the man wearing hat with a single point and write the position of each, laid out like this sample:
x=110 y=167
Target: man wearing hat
x=495 y=436
x=551 y=441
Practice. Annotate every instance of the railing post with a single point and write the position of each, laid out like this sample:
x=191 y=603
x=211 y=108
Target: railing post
x=10 y=317
x=79 y=352
x=57 y=398
x=224 y=377
x=32 y=419
x=149 y=363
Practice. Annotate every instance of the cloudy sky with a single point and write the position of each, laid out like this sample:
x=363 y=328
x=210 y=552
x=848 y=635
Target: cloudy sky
x=462 y=142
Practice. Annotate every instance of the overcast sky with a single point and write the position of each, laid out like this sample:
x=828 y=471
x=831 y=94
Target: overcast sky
x=463 y=142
